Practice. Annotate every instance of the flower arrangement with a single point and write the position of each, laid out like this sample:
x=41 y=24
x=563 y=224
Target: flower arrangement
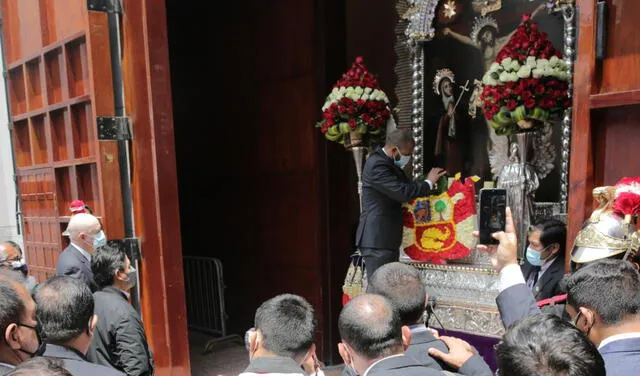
x=357 y=110
x=527 y=84
x=439 y=228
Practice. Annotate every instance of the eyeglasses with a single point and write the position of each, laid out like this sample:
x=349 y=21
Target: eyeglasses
x=574 y=322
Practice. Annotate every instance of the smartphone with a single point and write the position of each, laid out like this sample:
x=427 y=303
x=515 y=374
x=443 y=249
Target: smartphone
x=493 y=212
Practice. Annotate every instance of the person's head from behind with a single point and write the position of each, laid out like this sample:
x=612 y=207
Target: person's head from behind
x=603 y=298
x=111 y=267
x=40 y=366
x=399 y=146
x=86 y=232
x=547 y=345
x=65 y=311
x=284 y=326
x=370 y=330
x=547 y=239
x=11 y=257
x=401 y=284
x=18 y=322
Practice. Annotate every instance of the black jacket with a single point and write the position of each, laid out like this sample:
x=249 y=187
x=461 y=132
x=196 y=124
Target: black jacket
x=74 y=362
x=119 y=340
x=547 y=285
x=384 y=188
x=401 y=366
x=422 y=341
x=72 y=263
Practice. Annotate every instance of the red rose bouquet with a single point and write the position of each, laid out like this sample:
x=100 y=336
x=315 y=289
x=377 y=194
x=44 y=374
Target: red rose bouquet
x=356 y=111
x=527 y=84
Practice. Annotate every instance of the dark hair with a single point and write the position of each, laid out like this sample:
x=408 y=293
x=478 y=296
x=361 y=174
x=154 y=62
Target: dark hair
x=371 y=326
x=40 y=366
x=610 y=287
x=547 y=345
x=401 y=284
x=399 y=137
x=104 y=262
x=11 y=305
x=65 y=307
x=553 y=231
x=287 y=324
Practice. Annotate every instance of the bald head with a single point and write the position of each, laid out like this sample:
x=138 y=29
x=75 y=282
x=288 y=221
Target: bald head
x=371 y=326
x=82 y=229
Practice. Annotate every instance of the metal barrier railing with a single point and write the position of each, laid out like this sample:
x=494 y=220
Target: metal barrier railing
x=204 y=289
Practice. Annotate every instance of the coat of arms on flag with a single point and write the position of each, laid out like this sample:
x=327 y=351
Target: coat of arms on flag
x=439 y=228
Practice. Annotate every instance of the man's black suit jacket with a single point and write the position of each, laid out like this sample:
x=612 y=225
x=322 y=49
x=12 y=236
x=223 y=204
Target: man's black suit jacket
x=76 y=363
x=385 y=187
x=422 y=341
x=547 y=285
x=73 y=263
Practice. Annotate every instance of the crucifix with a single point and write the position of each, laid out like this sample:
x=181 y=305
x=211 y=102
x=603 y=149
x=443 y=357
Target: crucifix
x=464 y=89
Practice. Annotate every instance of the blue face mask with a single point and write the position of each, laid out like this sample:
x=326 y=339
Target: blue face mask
x=404 y=159
x=99 y=240
x=533 y=257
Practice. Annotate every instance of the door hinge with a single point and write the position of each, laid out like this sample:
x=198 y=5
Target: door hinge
x=130 y=246
x=114 y=128
x=109 y=6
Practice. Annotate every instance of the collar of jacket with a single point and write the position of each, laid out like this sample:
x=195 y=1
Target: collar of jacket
x=276 y=364
x=63 y=352
x=114 y=290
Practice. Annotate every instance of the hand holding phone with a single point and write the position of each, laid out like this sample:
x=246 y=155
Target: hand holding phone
x=493 y=206
x=506 y=253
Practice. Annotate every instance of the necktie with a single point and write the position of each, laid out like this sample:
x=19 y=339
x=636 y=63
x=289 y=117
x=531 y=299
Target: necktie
x=536 y=272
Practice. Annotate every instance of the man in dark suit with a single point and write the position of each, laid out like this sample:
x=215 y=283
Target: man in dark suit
x=602 y=301
x=65 y=311
x=120 y=341
x=544 y=267
x=385 y=186
x=85 y=235
x=19 y=328
x=373 y=340
x=547 y=345
x=401 y=284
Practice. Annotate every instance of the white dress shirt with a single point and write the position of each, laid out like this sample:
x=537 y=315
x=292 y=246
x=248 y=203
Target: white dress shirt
x=510 y=275
x=543 y=268
x=618 y=337
x=371 y=366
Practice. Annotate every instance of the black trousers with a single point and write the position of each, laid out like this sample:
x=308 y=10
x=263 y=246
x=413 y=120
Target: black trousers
x=376 y=257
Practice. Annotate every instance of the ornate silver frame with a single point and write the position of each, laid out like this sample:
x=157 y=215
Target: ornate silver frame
x=466 y=307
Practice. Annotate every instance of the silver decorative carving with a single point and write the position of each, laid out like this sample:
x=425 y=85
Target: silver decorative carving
x=466 y=292
x=466 y=297
x=417 y=109
x=420 y=15
x=359 y=153
x=568 y=14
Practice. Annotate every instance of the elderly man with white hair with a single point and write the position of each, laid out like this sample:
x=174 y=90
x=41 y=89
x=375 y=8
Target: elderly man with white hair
x=85 y=235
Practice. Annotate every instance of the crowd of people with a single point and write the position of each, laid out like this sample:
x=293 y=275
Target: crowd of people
x=586 y=323
x=383 y=333
x=79 y=322
x=583 y=324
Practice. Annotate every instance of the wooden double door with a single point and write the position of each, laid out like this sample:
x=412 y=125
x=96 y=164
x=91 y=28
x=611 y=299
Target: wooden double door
x=59 y=80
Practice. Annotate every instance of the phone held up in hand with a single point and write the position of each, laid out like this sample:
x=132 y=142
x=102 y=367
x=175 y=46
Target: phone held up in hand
x=493 y=213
